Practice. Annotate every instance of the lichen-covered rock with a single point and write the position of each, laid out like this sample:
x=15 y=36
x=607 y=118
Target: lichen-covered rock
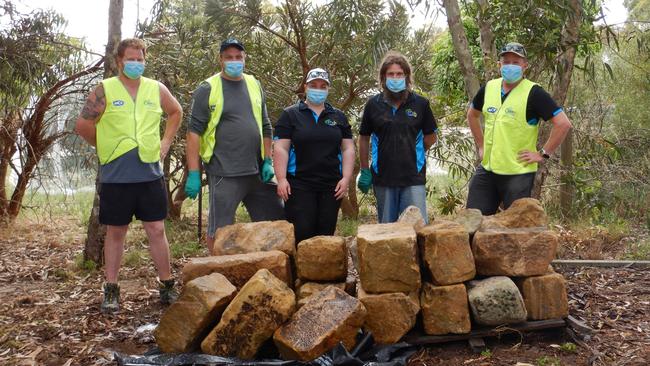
x=523 y=213
x=261 y=236
x=329 y=317
x=388 y=260
x=514 y=252
x=545 y=296
x=389 y=316
x=412 y=216
x=239 y=268
x=470 y=218
x=262 y=305
x=446 y=252
x=184 y=324
x=445 y=309
x=322 y=258
x=496 y=301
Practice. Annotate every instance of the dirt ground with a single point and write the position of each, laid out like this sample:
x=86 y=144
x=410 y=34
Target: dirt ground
x=49 y=312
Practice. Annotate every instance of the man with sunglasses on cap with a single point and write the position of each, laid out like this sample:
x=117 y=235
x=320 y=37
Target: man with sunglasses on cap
x=229 y=130
x=512 y=107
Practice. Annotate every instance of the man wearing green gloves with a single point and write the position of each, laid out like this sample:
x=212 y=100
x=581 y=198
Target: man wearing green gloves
x=230 y=131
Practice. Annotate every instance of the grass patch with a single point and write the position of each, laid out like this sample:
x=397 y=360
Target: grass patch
x=548 y=361
x=135 y=256
x=569 y=347
x=486 y=353
x=84 y=266
x=639 y=250
x=188 y=249
x=347 y=227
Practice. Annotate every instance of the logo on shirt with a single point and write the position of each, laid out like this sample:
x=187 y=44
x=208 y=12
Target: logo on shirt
x=329 y=122
x=411 y=113
x=118 y=103
x=510 y=112
x=492 y=110
x=149 y=103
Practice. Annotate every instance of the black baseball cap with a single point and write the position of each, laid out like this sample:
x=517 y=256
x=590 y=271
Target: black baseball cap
x=231 y=42
x=513 y=47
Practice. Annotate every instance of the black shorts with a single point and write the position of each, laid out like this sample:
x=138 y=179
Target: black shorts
x=487 y=190
x=118 y=202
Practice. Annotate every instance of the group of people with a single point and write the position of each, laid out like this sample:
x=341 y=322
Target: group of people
x=301 y=168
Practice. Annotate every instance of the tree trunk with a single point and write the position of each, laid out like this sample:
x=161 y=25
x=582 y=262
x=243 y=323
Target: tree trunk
x=566 y=189
x=461 y=48
x=94 y=245
x=562 y=81
x=487 y=40
x=8 y=135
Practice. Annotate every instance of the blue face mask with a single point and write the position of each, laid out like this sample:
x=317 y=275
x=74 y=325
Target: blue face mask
x=234 y=69
x=396 y=85
x=133 y=69
x=317 y=96
x=511 y=73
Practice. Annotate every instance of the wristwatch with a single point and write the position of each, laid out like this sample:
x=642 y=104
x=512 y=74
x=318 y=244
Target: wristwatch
x=545 y=155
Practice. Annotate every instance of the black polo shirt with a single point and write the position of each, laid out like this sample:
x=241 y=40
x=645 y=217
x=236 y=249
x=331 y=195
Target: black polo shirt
x=315 y=161
x=397 y=139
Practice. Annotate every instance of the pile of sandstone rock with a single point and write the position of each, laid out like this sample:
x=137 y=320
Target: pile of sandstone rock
x=471 y=271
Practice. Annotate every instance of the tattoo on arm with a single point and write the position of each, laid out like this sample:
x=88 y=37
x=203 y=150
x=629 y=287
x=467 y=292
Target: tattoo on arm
x=95 y=104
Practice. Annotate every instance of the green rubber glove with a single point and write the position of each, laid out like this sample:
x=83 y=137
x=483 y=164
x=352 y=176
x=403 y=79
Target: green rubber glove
x=193 y=184
x=266 y=172
x=364 y=180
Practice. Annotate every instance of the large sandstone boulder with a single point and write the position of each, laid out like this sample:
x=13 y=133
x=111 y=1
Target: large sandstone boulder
x=239 y=268
x=390 y=316
x=329 y=317
x=445 y=309
x=545 y=296
x=388 y=260
x=261 y=236
x=514 y=252
x=470 y=218
x=308 y=289
x=262 y=305
x=412 y=216
x=322 y=258
x=524 y=212
x=446 y=252
x=184 y=324
x=496 y=301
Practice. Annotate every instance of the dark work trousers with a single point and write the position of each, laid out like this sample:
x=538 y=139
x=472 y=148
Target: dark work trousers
x=488 y=190
x=312 y=213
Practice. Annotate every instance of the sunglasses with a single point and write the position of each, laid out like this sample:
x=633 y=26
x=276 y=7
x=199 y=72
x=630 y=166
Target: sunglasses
x=318 y=75
x=514 y=48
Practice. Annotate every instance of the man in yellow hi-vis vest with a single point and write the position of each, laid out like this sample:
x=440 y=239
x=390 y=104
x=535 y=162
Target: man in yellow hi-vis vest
x=512 y=107
x=122 y=119
x=230 y=132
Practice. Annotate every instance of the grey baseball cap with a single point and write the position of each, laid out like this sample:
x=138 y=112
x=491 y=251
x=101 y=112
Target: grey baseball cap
x=513 y=47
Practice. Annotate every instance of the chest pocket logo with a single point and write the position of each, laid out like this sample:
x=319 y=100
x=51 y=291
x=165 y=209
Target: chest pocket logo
x=118 y=103
x=149 y=103
x=329 y=122
x=492 y=110
x=411 y=113
x=510 y=112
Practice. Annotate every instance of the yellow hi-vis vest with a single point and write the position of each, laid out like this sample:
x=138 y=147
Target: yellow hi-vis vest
x=215 y=102
x=507 y=131
x=127 y=123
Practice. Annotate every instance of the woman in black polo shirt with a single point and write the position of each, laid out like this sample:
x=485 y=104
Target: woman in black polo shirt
x=314 y=159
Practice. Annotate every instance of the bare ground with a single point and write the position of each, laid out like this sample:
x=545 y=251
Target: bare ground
x=49 y=311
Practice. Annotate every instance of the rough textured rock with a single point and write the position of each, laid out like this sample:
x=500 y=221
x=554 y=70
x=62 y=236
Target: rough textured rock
x=545 y=296
x=388 y=259
x=239 y=268
x=470 y=218
x=329 y=317
x=446 y=252
x=308 y=289
x=184 y=324
x=524 y=212
x=352 y=278
x=261 y=306
x=412 y=216
x=322 y=258
x=445 y=309
x=496 y=301
x=261 y=236
x=389 y=316
x=514 y=252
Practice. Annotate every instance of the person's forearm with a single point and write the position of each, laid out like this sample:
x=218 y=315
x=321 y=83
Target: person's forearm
x=474 y=123
x=86 y=129
x=364 y=145
x=192 y=151
x=172 y=125
x=348 y=160
x=280 y=161
x=430 y=140
x=559 y=131
x=267 y=147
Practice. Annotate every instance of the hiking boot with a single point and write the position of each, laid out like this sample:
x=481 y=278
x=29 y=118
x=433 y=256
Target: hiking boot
x=111 y=303
x=168 y=293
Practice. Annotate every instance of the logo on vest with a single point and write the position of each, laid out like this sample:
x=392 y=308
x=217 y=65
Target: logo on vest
x=118 y=103
x=510 y=112
x=492 y=110
x=149 y=103
x=411 y=113
x=329 y=122
x=213 y=107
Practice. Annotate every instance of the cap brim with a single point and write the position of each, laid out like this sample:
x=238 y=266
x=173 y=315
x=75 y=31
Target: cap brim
x=312 y=79
x=238 y=46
